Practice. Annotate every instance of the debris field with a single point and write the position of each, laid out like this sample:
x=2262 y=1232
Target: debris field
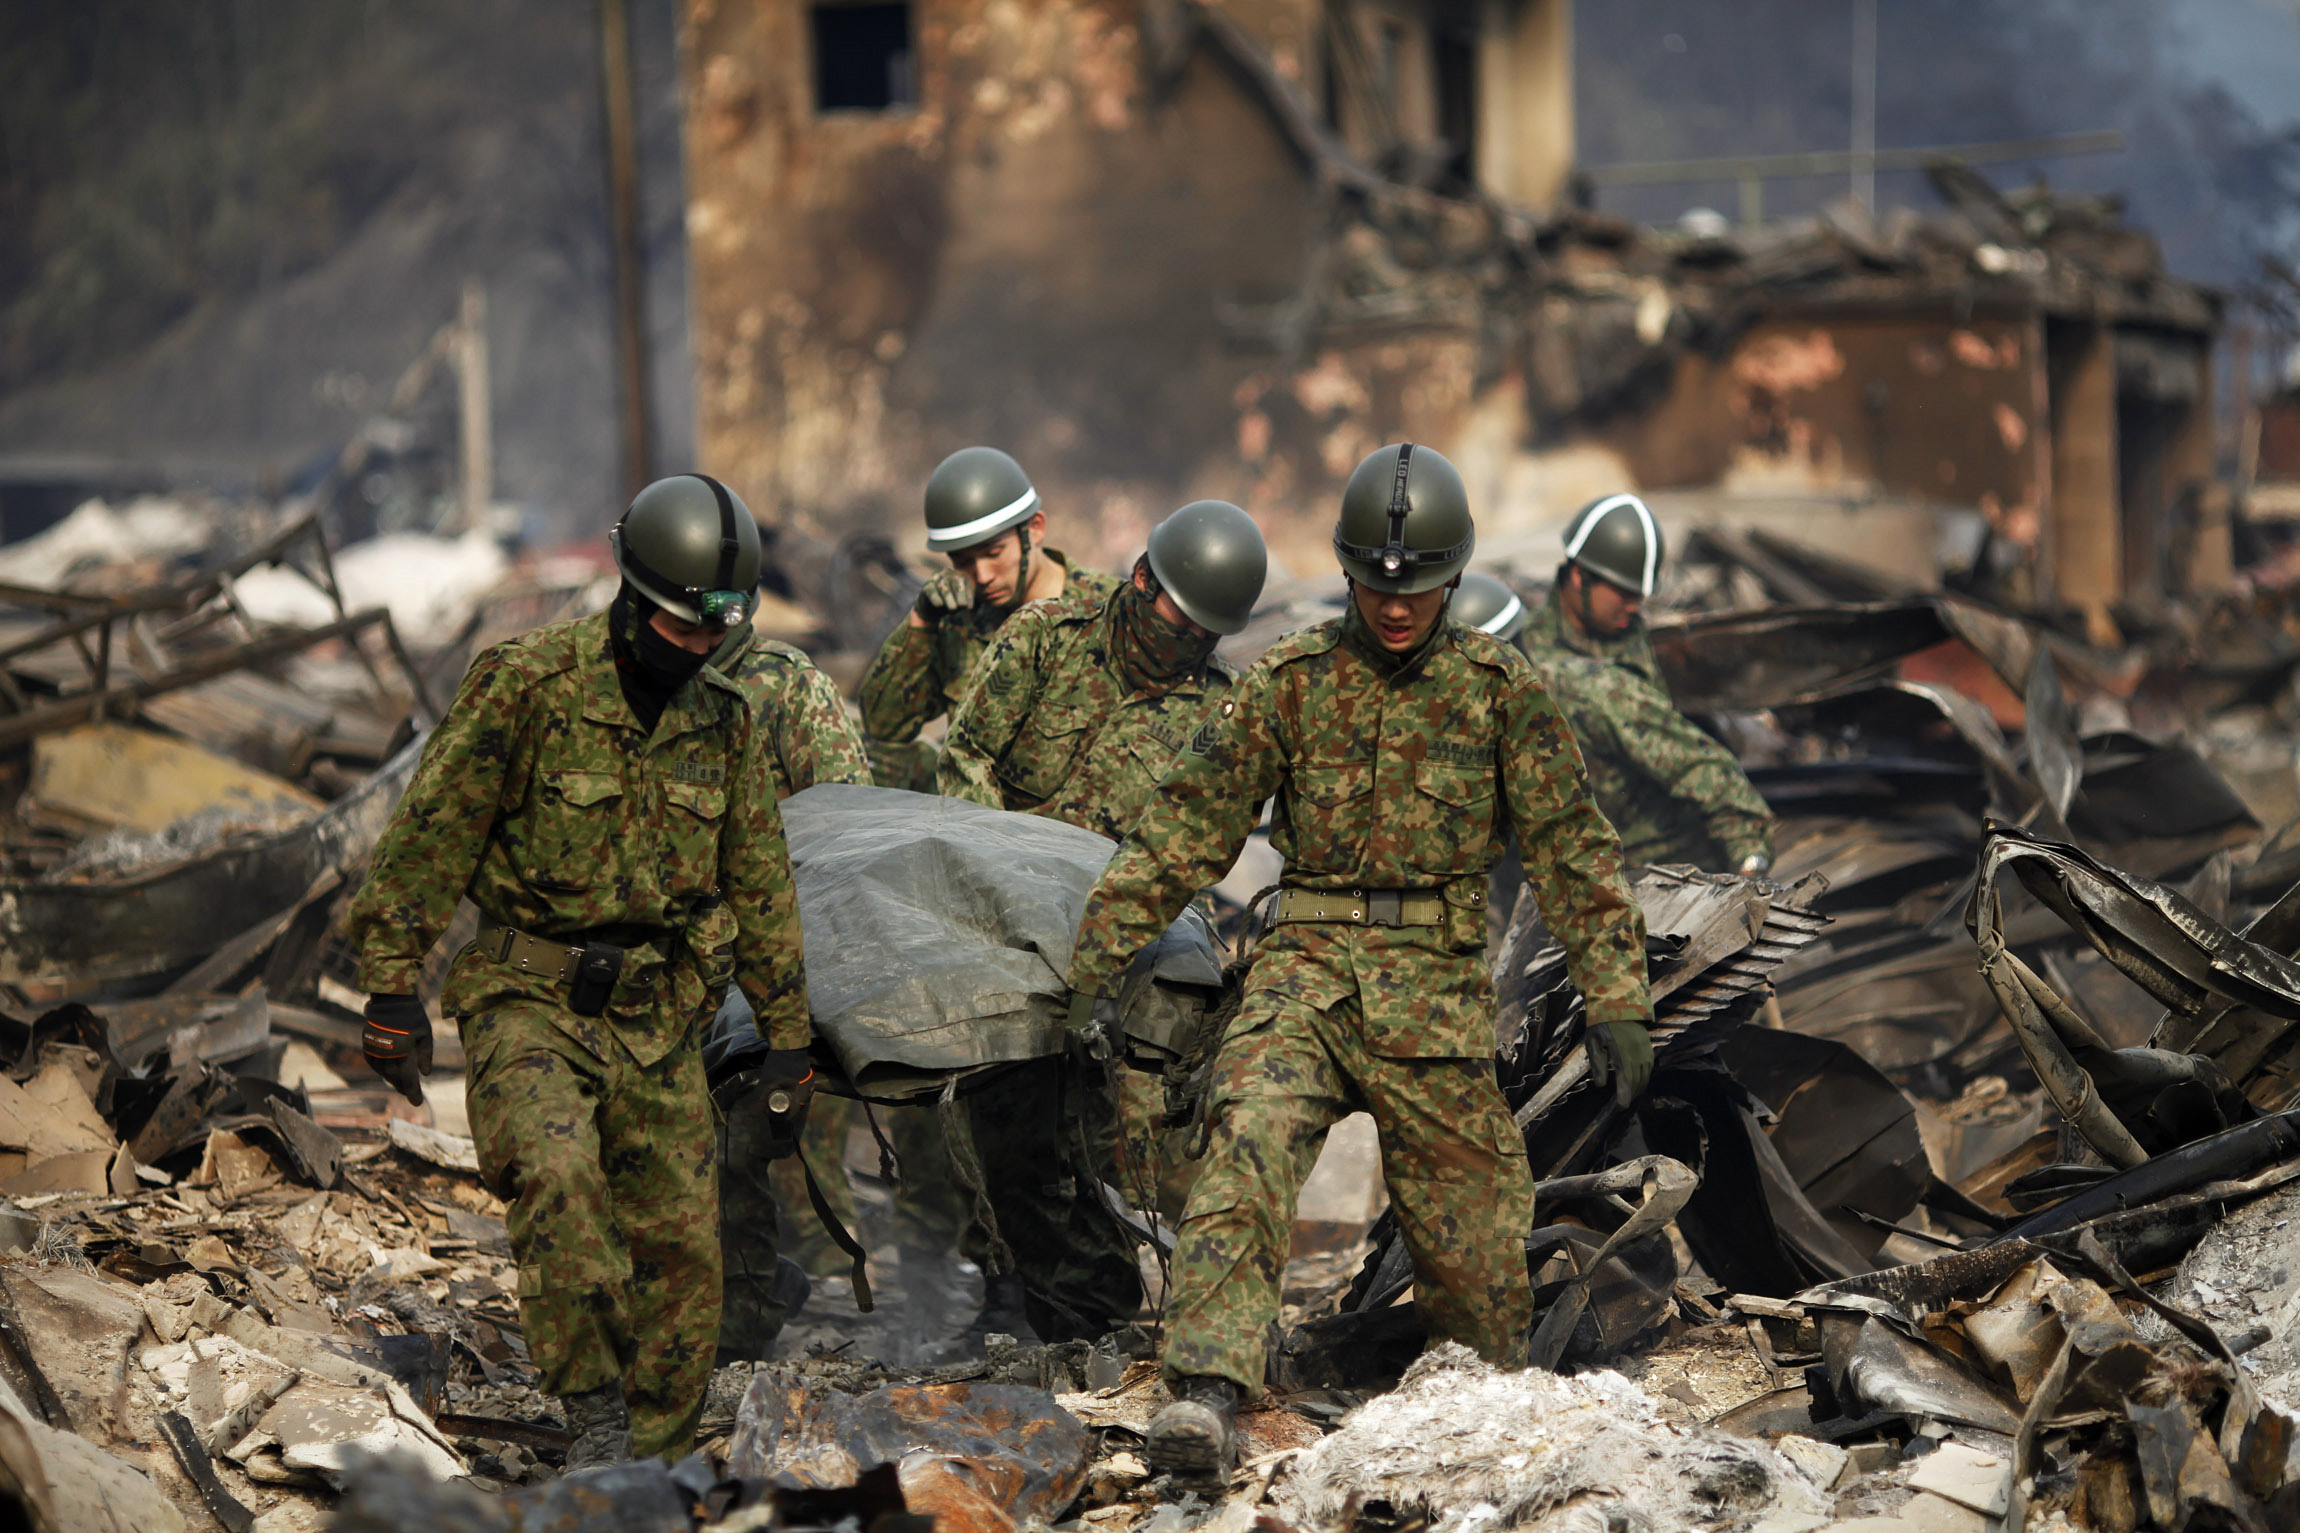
x=1966 y=1194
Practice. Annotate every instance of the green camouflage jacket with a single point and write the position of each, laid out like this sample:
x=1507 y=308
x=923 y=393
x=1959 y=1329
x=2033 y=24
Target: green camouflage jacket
x=1385 y=778
x=541 y=798
x=802 y=722
x=1546 y=630
x=920 y=674
x=1052 y=728
x=1672 y=791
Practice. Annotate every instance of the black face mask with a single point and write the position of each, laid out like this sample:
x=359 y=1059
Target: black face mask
x=651 y=668
x=1152 y=653
x=666 y=664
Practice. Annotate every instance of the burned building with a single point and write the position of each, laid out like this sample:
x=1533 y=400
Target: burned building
x=1090 y=232
x=1182 y=249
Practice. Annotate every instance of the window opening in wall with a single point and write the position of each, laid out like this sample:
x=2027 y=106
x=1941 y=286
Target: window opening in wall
x=864 y=58
x=1454 y=56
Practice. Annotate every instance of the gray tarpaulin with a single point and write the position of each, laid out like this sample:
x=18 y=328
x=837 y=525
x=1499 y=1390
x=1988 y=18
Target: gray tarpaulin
x=938 y=936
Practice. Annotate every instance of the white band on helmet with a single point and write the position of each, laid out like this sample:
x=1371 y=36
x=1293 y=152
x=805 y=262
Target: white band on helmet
x=1502 y=619
x=1597 y=514
x=941 y=538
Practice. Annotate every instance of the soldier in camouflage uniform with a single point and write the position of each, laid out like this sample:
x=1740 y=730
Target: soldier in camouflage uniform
x=983 y=512
x=605 y=800
x=1673 y=792
x=808 y=739
x=1079 y=709
x=1403 y=750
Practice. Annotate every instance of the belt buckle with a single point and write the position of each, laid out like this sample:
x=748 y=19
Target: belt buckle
x=1384 y=907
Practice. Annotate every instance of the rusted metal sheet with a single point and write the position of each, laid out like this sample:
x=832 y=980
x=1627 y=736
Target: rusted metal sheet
x=83 y=934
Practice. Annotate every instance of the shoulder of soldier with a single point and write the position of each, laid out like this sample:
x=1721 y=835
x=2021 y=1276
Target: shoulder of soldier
x=771 y=657
x=1303 y=644
x=549 y=650
x=1091 y=583
x=1042 y=621
x=1486 y=652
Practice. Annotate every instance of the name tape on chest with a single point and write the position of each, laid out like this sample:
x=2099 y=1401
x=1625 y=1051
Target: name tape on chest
x=710 y=773
x=1460 y=755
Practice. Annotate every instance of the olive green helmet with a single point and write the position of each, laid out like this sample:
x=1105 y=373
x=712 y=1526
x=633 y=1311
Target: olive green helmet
x=1209 y=556
x=1405 y=524
x=1616 y=539
x=689 y=545
x=1485 y=603
x=974 y=495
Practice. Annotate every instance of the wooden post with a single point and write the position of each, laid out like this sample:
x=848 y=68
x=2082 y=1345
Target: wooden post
x=471 y=394
x=623 y=217
x=2087 y=534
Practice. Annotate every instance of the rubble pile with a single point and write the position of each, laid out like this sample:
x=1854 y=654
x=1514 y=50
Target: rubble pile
x=1962 y=1195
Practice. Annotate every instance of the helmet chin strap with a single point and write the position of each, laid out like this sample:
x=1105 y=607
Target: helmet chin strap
x=1588 y=616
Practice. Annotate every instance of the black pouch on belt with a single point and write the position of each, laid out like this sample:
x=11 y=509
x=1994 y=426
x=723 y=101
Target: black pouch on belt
x=595 y=975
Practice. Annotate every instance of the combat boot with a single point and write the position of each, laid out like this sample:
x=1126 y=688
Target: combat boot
x=601 y=1425
x=1001 y=1314
x=1196 y=1438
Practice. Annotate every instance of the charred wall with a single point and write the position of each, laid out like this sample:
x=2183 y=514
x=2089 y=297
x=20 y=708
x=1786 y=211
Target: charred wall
x=1036 y=254
x=1915 y=405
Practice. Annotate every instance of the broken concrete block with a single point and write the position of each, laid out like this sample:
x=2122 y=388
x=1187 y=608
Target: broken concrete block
x=327 y=1427
x=66 y=1484
x=168 y=1303
x=451 y=1151
x=397 y=1264
x=227 y=1389
x=1928 y=1513
x=1967 y=1476
x=235 y=1167
x=75 y=1332
x=1823 y=1463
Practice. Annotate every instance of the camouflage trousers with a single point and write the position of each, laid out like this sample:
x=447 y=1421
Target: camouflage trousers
x=752 y=1227
x=1154 y=1165
x=609 y=1172
x=1042 y=1132
x=1453 y=1162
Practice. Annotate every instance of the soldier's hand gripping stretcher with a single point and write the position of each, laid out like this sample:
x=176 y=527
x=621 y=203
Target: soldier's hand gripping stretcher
x=779 y=1087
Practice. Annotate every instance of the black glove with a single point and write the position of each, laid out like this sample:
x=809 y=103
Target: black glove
x=397 y=1042
x=946 y=593
x=1622 y=1052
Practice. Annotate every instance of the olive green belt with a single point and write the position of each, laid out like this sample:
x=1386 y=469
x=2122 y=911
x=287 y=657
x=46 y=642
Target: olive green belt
x=552 y=958
x=1360 y=907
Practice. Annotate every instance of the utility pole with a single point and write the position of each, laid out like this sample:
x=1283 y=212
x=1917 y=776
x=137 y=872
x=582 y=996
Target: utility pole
x=471 y=395
x=1864 y=169
x=635 y=418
